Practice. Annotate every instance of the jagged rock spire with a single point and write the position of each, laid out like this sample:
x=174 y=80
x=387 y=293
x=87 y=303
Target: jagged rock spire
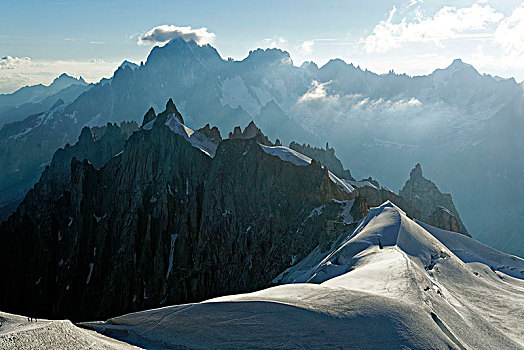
x=211 y=132
x=426 y=196
x=250 y=131
x=171 y=109
x=150 y=115
x=163 y=116
x=326 y=156
x=416 y=172
x=86 y=135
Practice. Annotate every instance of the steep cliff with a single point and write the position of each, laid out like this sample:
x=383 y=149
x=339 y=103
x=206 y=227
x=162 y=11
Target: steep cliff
x=436 y=208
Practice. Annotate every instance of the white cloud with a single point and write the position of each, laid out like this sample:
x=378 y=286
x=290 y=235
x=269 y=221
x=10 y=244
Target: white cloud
x=164 y=33
x=448 y=23
x=414 y=2
x=317 y=92
x=388 y=104
x=10 y=62
x=510 y=33
x=307 y=46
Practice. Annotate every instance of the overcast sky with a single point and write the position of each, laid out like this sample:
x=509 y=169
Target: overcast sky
x=41 y=39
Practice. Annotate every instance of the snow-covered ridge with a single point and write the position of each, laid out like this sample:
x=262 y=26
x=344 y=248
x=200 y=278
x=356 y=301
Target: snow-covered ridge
x=470 y=250
x=195 y=138
x=359 y=184
x=392 y=283
x=19 y=332
x=297 y=158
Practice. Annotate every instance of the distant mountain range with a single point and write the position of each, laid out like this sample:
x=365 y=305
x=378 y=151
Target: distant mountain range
x=39 y=98
x=463 y=127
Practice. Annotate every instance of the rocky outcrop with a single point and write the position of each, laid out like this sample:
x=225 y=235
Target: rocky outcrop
x=251 y=131
x=159 y=223
x=150 y=115
x=325 y=156
x=371 y=181
x=211 y=133
x=434 y=206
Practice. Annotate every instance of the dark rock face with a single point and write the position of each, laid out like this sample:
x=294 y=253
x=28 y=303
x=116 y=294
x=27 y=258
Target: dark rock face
x=150 y=115
x=160 y=223
x=211 y=133
x=372 y=197
x=434 y=206
x=443 y=218
x=325 y=156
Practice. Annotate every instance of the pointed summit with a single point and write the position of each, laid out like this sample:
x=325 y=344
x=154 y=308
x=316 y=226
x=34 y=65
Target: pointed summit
x=149 y=116
x=251 y=130
x=171 y=109
x=211 y=133
x=63 y=76
x=65 y=80
x=459 y=66
x=416 y=172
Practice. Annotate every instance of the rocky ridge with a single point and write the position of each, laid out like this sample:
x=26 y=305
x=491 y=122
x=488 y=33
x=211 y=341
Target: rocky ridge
x=133 y=220
x=325 y=156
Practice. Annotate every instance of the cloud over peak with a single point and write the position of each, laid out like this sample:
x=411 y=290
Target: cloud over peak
x=164 y=33
x=318 y=92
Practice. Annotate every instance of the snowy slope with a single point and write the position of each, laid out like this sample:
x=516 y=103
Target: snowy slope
x=16 y=332
x=392 y=283
x=472 y=251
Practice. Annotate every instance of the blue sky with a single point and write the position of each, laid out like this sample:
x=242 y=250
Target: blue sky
x=41 y=39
